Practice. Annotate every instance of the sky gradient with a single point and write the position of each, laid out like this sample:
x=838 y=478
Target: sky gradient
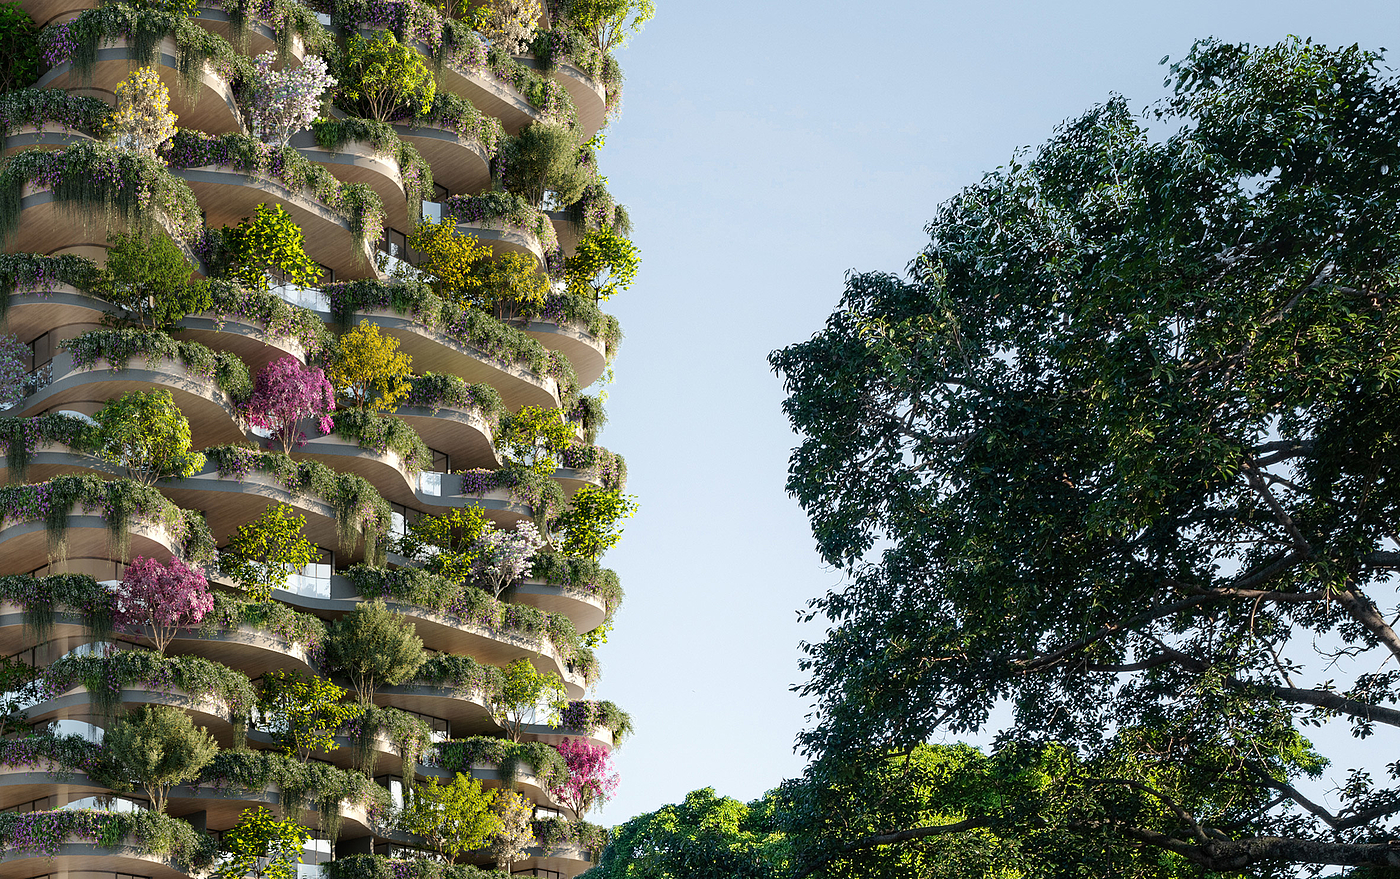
x=764 y=150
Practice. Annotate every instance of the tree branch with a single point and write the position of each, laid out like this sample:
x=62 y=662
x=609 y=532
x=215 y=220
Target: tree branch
x=893 y=837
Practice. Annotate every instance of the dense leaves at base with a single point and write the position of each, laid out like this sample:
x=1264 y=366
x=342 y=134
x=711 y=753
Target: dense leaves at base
x=1125 y=440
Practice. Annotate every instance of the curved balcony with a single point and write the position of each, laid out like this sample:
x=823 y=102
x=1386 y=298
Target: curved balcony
x=228 y=195
x=459 y=163
x=586 y=610
x=211 y=108
x=501 y=236
x=47 y=12
x=252 y=651
x=77 y=855
x=212 y=415
x=491 y=776
x=48 y=136
x=553 y=735
x=76 y=704
x=261 y=37
x=360 y=162
x=460 y=433
x=465 y=711
x=228 y=502
x=32 y=313
x=243 y=338
x=560 y=859
x=487 y=93
x=223 y=807
x=589 y=96
x=25 y=545
x=48 y=227
x=424 y=490
x=436 y=351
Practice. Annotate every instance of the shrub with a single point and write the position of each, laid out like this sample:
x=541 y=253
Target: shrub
x=117 y=347
x=304 y=712
x=270 y=241
x=106 y=676
x=19 y=48
x=454 y=818
x=590 y=525
x=534 y=437
x=44 y=832
x=14 y=365
x=522 y=690
x=166 y=597
x=446 y=545
x=604 y=263
x=146 y=433
x=263 y=847
x=545 y=157
x=586 y=716
x=383 y=433
x=611 y=23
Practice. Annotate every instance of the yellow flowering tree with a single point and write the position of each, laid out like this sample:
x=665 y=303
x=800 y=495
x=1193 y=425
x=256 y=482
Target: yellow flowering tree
x=369 y=370
x=142 y=119
x=450 y=257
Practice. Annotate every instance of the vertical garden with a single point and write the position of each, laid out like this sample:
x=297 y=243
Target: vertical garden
x=303 y=370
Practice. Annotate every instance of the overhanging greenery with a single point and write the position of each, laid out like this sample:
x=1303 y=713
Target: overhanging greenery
x=118 y=347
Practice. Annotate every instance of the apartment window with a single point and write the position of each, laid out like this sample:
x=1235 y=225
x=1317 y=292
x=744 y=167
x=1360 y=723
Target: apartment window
x=41 y=351
x=538 y=871
x=442 y=462
x=402 y=518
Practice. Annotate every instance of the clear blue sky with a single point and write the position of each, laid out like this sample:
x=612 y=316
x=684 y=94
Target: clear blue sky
x=765 y=149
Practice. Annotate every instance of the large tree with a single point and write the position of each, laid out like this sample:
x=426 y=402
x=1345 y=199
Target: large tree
x=1119 y=456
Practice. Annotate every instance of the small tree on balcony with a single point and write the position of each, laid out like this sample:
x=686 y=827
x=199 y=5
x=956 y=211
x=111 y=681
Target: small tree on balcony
x=522 y=693
x=446 y=545
x=264 y=553
x=453 y=260
x=142 y=119
x=148 y=435
x=611 y=23
x=19 y=48
x=148 y=278
x=283 y=102
x=369 y=370
x=545 y=156
x=285 y=392
x=374 y=647
x=263 y=847
x=535 y=436
x=383 y=79
x=455 y=818
x=503 y=557
x=591 y=524
x=604 y=264
x=592 y=779
x=164 y=597
x=516 y=833
x=304 y=712
x=511 y=24
x=153 y=748
x=270 y=242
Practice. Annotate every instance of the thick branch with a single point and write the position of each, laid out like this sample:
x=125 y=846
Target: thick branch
x=1365 y=613
x=894 y=837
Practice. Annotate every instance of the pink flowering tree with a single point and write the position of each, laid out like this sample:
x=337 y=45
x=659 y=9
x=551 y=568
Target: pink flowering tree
x=592 y=779
x=283 y=102
x=286 y=392
x=166 y=597
x=502 y=557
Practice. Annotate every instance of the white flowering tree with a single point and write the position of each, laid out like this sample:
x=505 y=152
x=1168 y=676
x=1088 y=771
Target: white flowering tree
x=283 y=102
x=142 y=119
x=502 y=557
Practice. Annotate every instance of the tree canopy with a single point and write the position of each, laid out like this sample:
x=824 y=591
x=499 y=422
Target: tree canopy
x=1118 y=456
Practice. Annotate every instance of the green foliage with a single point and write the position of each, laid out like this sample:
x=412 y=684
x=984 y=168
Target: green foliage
x=67 y=753
x=604 y=263
x=1137 y=396
x=380 y=867
x=42 y=597
x=454 y=818
x=468 y=678
x=534 y=437
x=382 y=79
x=360 y=512
x=147 y=833
x=270 y=242
x=105 y=676
x=447 y=546
x=704 y=836
x=121 y=503
x=610 y=23
x=374 y=647
x=586 y=716
x=462 y=117
x=153 y=748
x=515 y=832
x=146 y=433
x=20 y=438
x=285 y=18
x=19 y=48
x=409 y=734
x=263 y=553
x=30 y=109
x=273 y=617
x=383 y=433
x=543 y=760
x=522 y=690
x=149 y=278
x=304 y=712
x=301 y=784
x=468 y=326
x=589 y=413
x=437 y=391
x=416 y=173
x=591 y=523
x=556 y=832
x=117 y=347
x=577 y=574
x=542 y=158
x=263 y=847
x=102 y=188
x=279 y=318
x=368 y=369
